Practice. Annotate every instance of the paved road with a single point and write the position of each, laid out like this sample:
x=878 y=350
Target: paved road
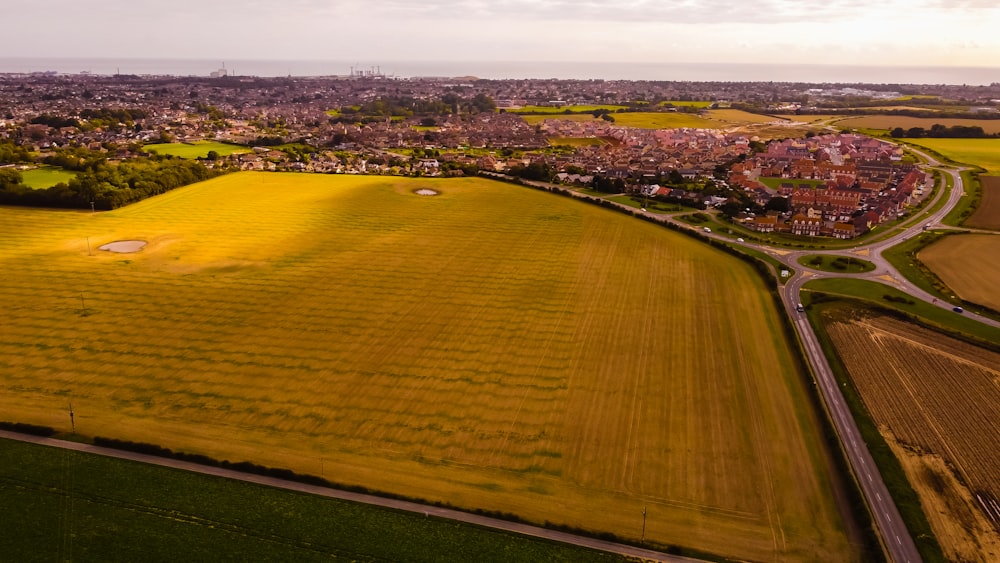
x=534 y=531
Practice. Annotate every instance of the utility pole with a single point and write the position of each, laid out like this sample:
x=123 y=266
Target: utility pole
x=92 y=208
x=643 y=540
x=83 y=305
x=89 y=253
x=72 y=421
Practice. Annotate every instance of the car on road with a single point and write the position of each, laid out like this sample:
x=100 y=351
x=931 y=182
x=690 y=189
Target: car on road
x=739 y=240
x=958 y=309
x=707 y=230
x=800 y=308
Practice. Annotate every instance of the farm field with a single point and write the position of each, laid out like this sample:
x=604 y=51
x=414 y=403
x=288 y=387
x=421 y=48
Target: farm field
x=889 y=122
x=554 y=109
x=690 y=104
x=536 y=119
x=734 y=117
x=962 y=264
x=935 y=401
x=81 y=507
x=663 y=120
x=987 y=215
x=198 y=149
x=46 y=177
x=492 y=346
x=976 y=152
x=775 y=183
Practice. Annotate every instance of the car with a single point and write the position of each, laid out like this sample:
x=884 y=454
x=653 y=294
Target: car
x=958 y=309
x=739 y=240
x=800 y=308
x=707 y=230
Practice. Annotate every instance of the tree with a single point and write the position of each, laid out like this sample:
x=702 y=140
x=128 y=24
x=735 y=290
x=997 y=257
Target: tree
x=212 y=155
x=428 y=122
x=779 y=204
x=897 y=133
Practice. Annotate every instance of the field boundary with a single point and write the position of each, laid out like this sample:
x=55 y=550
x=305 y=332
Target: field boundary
x=902 y=492
x=309 y=484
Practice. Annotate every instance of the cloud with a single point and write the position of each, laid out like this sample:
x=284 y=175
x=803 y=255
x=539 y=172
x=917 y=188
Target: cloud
x=635 y=11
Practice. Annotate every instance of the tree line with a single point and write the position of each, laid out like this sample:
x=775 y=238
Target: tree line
x=938 y=131
x=106 y=185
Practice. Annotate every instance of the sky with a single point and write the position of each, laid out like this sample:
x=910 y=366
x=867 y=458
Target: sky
x=841 y=32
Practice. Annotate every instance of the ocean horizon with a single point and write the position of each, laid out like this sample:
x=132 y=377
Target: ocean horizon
x=689 y=72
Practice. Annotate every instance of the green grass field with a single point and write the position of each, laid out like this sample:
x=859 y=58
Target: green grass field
x=775 y=183
x=553 y=109
x=73 y=506
x=975 y=152
x=576 y=141
x=689 y=104
x=493 y=347
x=198 y=149
x=46 y=177
x=836 y=264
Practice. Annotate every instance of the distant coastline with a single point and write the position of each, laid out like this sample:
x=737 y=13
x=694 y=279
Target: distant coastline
x=691 y=72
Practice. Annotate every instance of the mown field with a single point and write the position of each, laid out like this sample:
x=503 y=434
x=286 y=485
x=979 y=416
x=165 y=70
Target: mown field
x=935 y=401
x=977 y=152
x=576 y=141
x=733 y=117
x=198 y=149
x=46 y=177
x=987 y=215
x=560 y=109
x=642 y=120
x=492 y=347
x=73 y=506
x=967 y=264
x=889 y=122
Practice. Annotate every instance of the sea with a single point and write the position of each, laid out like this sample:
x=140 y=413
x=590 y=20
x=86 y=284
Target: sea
x=667 y=71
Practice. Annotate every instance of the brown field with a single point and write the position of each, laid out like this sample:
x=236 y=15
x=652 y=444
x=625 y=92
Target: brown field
x=968 y=265
x=888 y=122
x=987 y=216
x=733 y=117
x=492 y=347
x=936 y=400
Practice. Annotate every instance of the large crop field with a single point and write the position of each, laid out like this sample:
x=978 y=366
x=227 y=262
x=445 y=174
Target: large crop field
x=966 y=264
x=194 y=150
x=976 y=152
x=492 y=347
x=888 y=122
x=935 y=400
x=561 y=109
x=987 y=215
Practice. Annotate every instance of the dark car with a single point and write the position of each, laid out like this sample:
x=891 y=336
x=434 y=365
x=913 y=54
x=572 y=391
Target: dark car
x=958 y=309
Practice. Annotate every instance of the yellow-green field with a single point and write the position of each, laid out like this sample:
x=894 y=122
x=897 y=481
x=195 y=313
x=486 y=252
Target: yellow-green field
x=199 y=149
x=975 y=152
x=491 y=346
x=732 y=117
x=642 y=120
x=962 y=264
x=536 y=119
x=888 y=122
x=576 y=141
x=690 y=104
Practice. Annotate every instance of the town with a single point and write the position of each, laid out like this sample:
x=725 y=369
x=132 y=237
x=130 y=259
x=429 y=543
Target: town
x=806 y=183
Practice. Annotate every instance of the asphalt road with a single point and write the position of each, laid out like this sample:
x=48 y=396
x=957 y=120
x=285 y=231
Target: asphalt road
x=428 y=511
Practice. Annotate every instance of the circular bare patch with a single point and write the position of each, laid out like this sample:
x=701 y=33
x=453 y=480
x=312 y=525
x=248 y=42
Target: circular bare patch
x=123 y=246
x=425 y=191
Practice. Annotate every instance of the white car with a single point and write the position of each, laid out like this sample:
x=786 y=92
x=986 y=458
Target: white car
x=739 y=240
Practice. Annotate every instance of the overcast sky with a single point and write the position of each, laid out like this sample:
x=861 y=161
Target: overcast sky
x=866 y=32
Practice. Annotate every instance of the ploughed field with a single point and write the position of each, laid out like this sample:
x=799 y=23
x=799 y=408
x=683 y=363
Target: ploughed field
x=965 y=264
x=492 y=347
x=987 y=215
x=935 y=400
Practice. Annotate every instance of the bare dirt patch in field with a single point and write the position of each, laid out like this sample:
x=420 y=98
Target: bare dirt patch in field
x=935 y=400
x=988 y=214
x=123 y=246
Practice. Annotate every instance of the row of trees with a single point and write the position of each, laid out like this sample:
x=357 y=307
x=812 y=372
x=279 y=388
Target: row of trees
x=939 y=131
x=107 y=186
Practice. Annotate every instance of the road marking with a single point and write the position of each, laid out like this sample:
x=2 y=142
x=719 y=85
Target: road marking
x=869 y=477
x=897 y=541
x=887 y=517
x=879 y=496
